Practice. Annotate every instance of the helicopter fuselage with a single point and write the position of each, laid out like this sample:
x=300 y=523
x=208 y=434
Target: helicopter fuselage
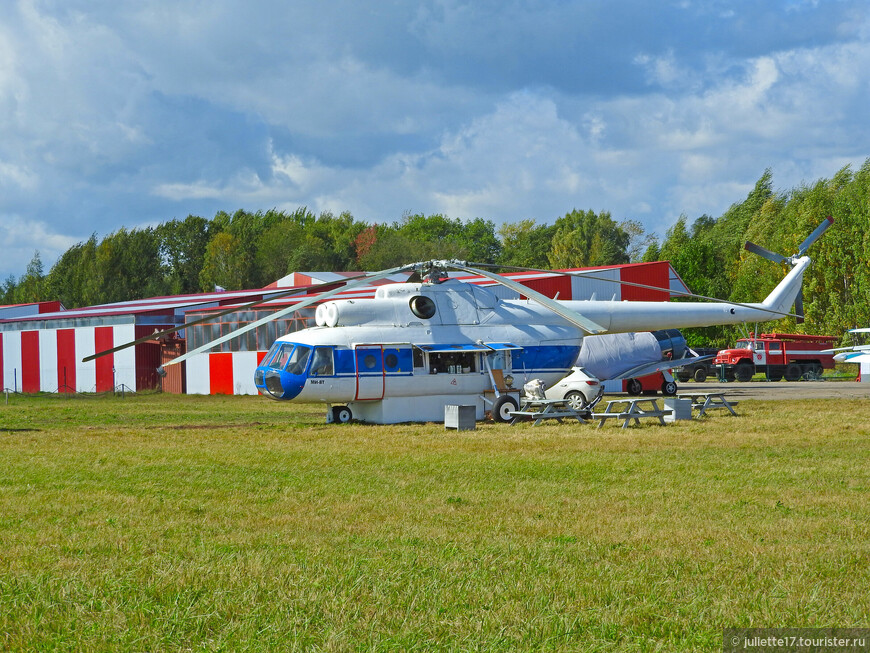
x=417 y=347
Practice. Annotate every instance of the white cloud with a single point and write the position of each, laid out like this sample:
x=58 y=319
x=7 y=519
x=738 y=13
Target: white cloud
x=117 y=114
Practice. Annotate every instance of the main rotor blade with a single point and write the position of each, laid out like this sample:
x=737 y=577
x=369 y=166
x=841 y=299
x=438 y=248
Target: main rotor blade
x=646 y=286
x=766 y=253
x=359 y=281
x=572 y=316
x=813 y=237
x=264 y=297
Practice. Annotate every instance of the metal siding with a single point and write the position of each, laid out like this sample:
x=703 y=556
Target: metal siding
x=86 y=373
x=220 y=373
x=30 y=361
x=147 y=360
x=244 y=365
x=66 y=360
x=651 y=274
x=585 y=288
x=552 y=286
x=197 y=372
x=48 y=360
x=103 y=339
x=124 y=360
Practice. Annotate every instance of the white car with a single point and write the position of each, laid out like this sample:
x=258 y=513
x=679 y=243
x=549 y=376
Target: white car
x=580 y=389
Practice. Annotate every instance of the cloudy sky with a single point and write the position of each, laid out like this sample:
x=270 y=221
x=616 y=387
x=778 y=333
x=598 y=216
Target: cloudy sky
x=126 y=114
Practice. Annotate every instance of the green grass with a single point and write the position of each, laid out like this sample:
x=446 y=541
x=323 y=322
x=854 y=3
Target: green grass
x=160 y=522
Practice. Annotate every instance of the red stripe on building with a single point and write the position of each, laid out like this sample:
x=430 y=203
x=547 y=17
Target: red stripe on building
x=103 y=340
x=220 y=373
x=30 y=361
x=66 y=360
x=650 y=274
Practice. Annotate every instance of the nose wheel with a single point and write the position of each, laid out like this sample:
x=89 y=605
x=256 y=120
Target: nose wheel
x=341 y=415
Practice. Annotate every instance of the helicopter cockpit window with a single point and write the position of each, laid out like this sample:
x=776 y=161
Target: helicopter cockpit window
x=422 y=307
x=280 y=355
x=298 y=359
x=321 y=363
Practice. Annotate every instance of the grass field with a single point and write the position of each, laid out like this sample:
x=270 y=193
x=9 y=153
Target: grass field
x=160 y=522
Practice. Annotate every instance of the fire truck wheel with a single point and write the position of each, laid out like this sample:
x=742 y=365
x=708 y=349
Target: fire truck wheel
x=700 y=375
x=792 y=372
x=634 y=387
x=669 y=388
x=503 y=407
x=744 y=371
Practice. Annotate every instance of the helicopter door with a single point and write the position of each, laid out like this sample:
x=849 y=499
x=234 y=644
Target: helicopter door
x=370 y=372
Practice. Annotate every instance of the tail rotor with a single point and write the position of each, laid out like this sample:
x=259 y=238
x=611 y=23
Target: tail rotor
x=791 y=260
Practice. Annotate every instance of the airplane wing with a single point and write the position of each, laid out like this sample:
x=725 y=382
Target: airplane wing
x=659 y=366
x=854 y=356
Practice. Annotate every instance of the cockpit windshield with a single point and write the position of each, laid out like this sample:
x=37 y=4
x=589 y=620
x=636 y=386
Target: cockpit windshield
x=290 y=357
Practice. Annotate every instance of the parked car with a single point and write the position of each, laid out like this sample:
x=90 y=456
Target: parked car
x=581 y=389
x=698 y=371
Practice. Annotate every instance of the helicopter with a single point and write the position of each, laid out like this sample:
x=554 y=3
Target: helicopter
x=434 y=341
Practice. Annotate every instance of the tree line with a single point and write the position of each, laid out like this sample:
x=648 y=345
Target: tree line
x=251 y=250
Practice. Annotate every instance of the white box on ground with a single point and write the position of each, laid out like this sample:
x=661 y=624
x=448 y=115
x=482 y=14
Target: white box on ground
x=680 y=407
x=461 y=418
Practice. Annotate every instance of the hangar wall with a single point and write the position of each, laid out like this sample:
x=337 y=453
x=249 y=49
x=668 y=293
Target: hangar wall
x=49 y=360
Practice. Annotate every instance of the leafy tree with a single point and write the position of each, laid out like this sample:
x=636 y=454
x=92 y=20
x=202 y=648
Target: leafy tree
x=30 y=286
x=585 y=239
x=182 y=249
x=525 y=244
x=225 y=263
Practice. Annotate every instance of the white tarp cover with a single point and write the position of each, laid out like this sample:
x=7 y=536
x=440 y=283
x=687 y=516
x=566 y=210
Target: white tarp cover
x=608 y=355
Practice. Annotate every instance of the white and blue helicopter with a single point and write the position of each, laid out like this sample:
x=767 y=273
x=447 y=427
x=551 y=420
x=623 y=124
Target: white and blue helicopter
x=419 y=346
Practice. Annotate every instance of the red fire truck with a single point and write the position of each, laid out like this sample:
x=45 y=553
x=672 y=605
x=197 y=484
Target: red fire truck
x=780 y=355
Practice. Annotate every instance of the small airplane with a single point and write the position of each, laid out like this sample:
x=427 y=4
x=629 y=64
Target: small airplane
x=435 y=341
x=859 y=354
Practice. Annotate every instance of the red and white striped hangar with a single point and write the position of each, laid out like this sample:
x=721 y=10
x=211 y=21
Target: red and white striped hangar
x=42 y=345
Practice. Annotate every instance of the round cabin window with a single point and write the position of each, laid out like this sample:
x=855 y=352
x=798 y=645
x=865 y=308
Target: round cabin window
x=391 y=361
x=422 y=307
x=369 y=361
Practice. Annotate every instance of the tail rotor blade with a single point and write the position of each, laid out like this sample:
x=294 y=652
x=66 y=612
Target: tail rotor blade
x=813 y=237
x=799 y=306
x=766 y=253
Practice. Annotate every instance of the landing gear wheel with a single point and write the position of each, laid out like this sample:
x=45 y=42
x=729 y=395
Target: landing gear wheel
x=744 y=371
x=700 y=375
x=576 y=400
x=503 y=407
x=669 y=388
x=634 y=387
x=341 y=414
x=793 y=372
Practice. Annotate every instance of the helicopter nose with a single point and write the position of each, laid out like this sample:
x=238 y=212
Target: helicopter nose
x=279 y=384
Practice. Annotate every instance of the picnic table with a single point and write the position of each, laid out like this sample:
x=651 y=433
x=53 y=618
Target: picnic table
x=541 y=409
x=704 y=401
x=631 y=408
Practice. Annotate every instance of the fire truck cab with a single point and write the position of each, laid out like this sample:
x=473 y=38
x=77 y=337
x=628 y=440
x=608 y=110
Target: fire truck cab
x=791 y=356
